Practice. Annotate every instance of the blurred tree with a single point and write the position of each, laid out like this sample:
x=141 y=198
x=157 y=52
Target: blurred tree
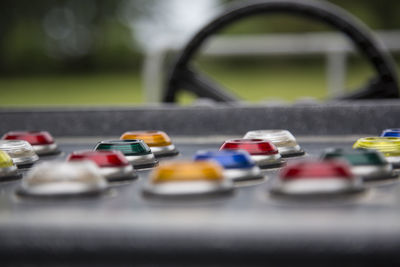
x=79 y=35
x=63 y=35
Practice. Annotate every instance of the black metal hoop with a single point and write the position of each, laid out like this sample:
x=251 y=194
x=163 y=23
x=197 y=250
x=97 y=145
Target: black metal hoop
x=384 y=85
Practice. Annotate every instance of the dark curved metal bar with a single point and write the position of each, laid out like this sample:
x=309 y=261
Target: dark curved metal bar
x=203 y=86
x=385 y=85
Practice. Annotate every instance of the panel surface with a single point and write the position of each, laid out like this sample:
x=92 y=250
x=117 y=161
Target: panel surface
x=249 y=226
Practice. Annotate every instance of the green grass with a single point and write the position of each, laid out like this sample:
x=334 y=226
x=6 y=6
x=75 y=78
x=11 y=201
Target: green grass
x=99 y=89
x=251 y=82
x=286 y=81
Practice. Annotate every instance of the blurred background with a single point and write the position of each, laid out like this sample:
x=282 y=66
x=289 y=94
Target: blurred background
x=98 y=52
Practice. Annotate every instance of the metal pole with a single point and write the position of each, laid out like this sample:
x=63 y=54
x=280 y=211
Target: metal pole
x=152 y=75
x=336 y=68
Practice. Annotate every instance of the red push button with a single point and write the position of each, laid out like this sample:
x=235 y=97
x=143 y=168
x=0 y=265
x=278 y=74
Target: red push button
x=41 y=141
x=113 y=164
x=101 y=158
x=263 y=152
x=34 y=138
x=253 y=146
x=317 y=170
x=307 y=178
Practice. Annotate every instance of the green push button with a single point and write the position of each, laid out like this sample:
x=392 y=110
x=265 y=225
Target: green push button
x=356 y=157
x=133 y=147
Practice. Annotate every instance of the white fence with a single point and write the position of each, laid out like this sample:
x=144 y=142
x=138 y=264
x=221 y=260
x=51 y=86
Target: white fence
x=334 y=46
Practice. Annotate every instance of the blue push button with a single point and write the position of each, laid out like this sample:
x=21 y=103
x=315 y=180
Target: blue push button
x=229 y=159
x=391 y=133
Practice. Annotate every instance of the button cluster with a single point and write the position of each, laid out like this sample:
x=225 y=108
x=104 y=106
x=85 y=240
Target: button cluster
x=244 y=161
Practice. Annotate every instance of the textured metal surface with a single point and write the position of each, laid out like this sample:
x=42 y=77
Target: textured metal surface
x=331 y=118
x=249 y=227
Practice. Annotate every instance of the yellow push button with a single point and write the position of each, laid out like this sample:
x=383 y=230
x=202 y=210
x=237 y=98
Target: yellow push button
x=388 y=146
x=187 y=172
x=158 y=141
x=151 y=138
x=188 y=178
x=5 y=160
